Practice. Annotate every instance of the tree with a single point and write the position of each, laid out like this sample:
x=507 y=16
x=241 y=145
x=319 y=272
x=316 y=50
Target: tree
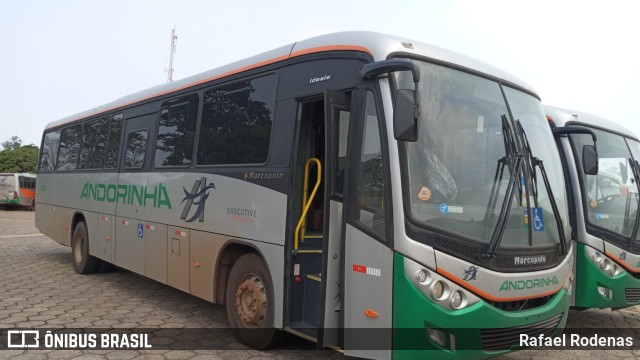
x=15 y=158
x=13 y=143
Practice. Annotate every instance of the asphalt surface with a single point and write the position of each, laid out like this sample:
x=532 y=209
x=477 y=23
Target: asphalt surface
x=39 y=289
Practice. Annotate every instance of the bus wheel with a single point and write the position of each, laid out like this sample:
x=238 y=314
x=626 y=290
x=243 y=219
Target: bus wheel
x=83 y=263
x=249 y=301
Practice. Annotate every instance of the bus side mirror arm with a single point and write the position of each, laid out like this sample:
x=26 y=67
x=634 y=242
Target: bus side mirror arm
x=589 y=152
x=407 y=102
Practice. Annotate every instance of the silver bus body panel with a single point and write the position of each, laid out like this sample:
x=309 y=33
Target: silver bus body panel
x=380 y=46
x=236 y=211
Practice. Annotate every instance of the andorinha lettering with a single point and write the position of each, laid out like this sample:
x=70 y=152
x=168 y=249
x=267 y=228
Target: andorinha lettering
x=508 y=285
x=155 y=196
x=575 y=340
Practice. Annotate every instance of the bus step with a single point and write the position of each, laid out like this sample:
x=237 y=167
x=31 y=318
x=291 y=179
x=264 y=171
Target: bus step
x=315 y=277
x=309 y=251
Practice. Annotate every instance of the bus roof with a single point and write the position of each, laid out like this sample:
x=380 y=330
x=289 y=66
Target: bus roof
x=379 y=46
x=563 y=117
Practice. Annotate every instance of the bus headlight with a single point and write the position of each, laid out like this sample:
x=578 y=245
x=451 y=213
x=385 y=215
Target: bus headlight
x=457 y=299
x=597 y=257
x=424 y=276
x=615 y=270
x=439 y=290
x=604 y=263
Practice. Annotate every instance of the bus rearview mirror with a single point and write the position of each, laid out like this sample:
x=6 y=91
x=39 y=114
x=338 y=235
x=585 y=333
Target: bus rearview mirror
x=590 y=159
x=405 y=116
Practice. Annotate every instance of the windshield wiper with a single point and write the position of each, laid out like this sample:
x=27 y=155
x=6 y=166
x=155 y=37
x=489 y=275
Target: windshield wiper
x=635 y=169
x=536 y=162
x=513 y=159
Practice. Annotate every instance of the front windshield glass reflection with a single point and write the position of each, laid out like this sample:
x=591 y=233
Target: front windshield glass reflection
x=459 y=168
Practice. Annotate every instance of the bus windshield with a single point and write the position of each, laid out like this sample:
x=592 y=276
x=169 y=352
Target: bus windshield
x=611 y=196
x=460 y=169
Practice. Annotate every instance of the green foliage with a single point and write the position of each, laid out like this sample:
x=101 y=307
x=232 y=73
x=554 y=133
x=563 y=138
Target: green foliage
x=13 y=143
x=15 y=158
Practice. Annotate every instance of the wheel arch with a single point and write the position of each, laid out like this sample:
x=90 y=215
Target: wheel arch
x=77 y=217
x=230 y=252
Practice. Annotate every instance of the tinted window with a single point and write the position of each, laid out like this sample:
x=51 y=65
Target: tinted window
x=69 y=147
x=136 y=149
x=176 y=131
x=370 y=206
x=115 y=133
x=236 y=122
x=49 y=151
x=94 y=142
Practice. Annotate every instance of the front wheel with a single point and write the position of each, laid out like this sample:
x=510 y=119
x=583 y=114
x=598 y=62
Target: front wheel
x=83 y=263
x=249 y=301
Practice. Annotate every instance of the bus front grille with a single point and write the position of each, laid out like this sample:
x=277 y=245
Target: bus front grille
x=632 y=295
x=504 y=338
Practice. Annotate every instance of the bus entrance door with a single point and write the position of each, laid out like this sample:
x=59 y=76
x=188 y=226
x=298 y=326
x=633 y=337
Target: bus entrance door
x=315 y=289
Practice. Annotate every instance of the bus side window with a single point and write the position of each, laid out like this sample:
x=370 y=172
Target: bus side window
x=136 y=149
x=69 y=148
x=370 y=182
x=115 y=133
x=49 y=151
x=176 y=131
x=94 y=139
x=236 y=122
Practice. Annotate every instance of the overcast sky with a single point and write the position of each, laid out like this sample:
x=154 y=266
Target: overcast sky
x=58 y=58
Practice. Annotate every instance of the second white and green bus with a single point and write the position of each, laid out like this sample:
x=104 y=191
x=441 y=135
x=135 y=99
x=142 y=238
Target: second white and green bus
x=364 y=191
x=604 y=210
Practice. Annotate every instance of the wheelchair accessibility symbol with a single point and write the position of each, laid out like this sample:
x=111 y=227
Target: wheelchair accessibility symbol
x=140 y=231
x=538 y=220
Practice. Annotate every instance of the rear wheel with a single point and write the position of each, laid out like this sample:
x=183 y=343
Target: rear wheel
x=250 y=307
x=83 y=263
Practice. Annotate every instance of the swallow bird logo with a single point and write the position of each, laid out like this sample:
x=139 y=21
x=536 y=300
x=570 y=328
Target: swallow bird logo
x=198 y=196
x=470 y=273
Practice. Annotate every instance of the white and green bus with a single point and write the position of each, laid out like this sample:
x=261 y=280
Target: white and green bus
x=364 y=191
x=18 y=190
x=604 y=210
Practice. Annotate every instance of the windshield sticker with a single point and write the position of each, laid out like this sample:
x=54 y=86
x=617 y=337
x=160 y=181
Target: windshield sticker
x=526 y=219
x=480 y=123
x=593 y=203
x=600 y=216
x=424 y=194
x=449 y=209
x=538 y=220
x=444 y=209
x=455 y=209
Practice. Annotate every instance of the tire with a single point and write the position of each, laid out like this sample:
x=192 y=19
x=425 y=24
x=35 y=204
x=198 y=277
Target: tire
x=250 y=304
x=83 y=263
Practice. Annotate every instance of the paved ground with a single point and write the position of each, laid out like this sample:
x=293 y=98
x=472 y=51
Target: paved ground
x=38 y=288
